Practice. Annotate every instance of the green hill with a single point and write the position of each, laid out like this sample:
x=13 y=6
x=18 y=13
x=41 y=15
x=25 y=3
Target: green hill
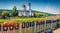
x=42 y=13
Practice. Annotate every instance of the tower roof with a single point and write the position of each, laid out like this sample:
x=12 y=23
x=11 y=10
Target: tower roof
x=23 y=6
x=29 y=4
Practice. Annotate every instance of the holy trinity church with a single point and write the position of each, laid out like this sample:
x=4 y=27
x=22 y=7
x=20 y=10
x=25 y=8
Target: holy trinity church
x=24 y=12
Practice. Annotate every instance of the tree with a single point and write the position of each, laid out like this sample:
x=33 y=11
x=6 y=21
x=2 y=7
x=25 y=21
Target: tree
x=4 y=14
x=14 y=11
x=0 y=14
x=10 y=15
x=37 y=14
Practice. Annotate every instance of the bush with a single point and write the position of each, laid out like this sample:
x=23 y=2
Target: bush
x=5 y=14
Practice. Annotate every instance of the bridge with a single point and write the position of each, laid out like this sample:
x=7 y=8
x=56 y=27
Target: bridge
x=43 y=26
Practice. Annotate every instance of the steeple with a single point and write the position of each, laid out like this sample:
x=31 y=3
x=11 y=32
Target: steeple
x=29 y=6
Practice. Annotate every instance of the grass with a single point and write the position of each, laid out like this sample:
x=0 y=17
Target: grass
x=3 y=20
x=21 y=20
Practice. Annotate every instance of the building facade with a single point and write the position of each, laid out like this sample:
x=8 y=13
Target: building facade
x=24 y=12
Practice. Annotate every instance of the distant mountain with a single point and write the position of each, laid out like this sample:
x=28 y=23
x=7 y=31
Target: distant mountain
x=44 y=13
x=1 y=10
x=32 y=11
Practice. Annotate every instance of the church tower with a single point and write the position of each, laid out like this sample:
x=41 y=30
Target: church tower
x=29 y=8
x=23 y=9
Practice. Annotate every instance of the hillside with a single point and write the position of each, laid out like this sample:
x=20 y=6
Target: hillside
x=43 y=13
x=32 y=11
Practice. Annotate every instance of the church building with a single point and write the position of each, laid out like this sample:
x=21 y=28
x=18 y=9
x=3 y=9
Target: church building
x=24 y=12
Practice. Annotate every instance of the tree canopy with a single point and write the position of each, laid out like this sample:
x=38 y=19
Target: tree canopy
x=14 y=11
x=5 y=13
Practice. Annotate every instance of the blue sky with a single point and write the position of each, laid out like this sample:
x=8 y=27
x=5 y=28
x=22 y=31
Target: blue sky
x=49 y=6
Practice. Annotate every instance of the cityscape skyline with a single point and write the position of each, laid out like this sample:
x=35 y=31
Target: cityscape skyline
x=49 y=6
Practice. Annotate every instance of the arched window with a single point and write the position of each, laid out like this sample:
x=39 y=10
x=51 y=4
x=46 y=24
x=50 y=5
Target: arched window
x=5 y=28
x=16 y=26
x=11 y=27
x=27 y=24
x=23 y=25
x=32 y=24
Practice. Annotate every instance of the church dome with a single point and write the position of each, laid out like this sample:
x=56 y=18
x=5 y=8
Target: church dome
x=23 y=7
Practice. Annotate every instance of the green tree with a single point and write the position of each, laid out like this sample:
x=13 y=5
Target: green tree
x=37 y=14
x=10 y=15
x=14 y=11
x=5 y=14
x=0 y=14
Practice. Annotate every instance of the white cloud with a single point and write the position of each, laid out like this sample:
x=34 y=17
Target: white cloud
x=51 y=10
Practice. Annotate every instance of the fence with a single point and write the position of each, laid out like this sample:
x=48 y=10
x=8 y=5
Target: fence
x=32 y=27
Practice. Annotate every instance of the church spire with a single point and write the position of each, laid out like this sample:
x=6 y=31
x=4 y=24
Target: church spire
x=29 y=5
